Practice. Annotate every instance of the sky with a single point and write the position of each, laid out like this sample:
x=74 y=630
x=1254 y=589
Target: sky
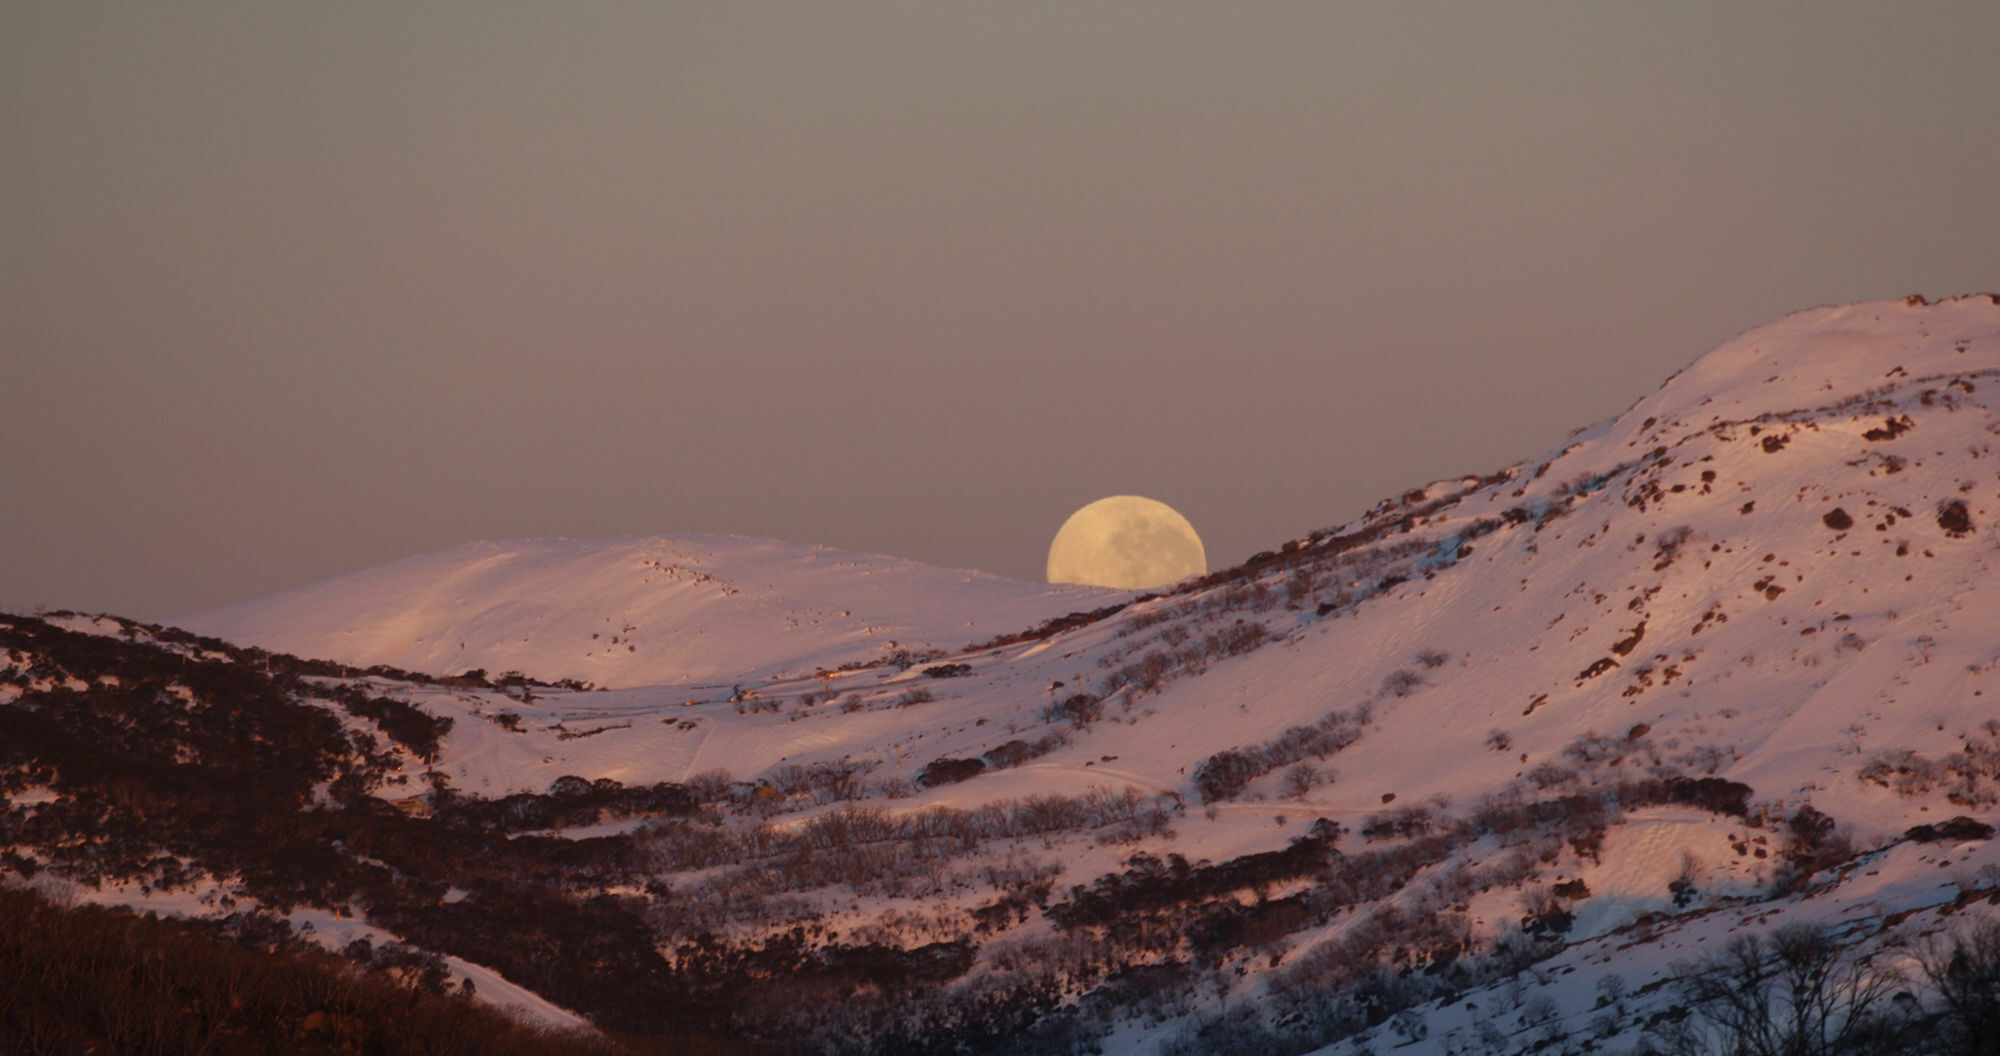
x=291 y=290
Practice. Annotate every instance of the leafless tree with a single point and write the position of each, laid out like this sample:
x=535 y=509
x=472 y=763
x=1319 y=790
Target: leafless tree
x=1793 y=992
x=1966 y=975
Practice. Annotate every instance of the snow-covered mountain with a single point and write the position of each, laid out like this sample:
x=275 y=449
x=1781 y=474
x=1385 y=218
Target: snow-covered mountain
x=664 y=610
x=1428 y=779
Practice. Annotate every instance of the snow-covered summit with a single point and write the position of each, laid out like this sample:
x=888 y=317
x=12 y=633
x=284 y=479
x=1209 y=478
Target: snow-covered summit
x=659 y=610
x=1813 y=359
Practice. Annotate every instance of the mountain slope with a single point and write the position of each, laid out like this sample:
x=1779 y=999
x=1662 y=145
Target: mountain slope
x=643 y=611
x=1428 y=779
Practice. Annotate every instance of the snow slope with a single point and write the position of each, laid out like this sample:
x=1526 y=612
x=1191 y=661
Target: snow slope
x=1777 y=570
x=664 y=610
x=1699 y=515
x=1754 y=574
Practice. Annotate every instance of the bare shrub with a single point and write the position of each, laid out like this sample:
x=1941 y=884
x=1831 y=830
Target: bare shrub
x=1594 y=749
x=1401 y=682
x=1077 y=709
x=1144 y=674
x=1299 y=780
x=904 y=659
x=1417 y=819
x=710 y=786
x=1667 y=545
x=946 y=770
x=1611 y=988
x=1226 y=773
x=1811 y=842
x=1012 y=753
x=1686 y=884
x=1705 y=758
x=1239 y=638
x=1968 y=776
x=1548 y=774
x=1301 y=588
x=1903 y=772
x=892 y=787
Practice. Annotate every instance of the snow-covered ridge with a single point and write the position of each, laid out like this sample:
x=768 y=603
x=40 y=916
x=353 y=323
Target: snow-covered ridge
x=660 y=610
x=1765 y=593
x=1810 y=361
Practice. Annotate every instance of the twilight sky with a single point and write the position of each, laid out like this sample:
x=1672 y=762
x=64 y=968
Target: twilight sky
x=292 y=289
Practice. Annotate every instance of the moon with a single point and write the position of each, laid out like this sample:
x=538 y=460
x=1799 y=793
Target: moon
x=1128 y=542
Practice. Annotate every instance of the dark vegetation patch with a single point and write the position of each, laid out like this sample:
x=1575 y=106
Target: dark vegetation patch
x=1712 y=794
x=1016 y=752
x=570 y=802
x=1077 y=710
x=1547 y=916
x=904 y=659
x=947 y=771
x=1970 y=777
x=1598 y=667
x=1667 y=546
x=1958 y=828
x=408 y=725
x=1954 y=518
x=91 y=979
x=197 y=765
x=1150 y=885
x=1226 y=773
x=1171 y=907
x=1838 y=519
x=1415 y=819
x=1050 y=628
x=1890 y=428
x=1810 y=842
x=1179 y=656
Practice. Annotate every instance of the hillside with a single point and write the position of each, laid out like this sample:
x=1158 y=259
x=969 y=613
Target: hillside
x=663 y=610
x=1468 y=774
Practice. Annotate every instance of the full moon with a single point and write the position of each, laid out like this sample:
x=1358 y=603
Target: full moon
x=1128 y=542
